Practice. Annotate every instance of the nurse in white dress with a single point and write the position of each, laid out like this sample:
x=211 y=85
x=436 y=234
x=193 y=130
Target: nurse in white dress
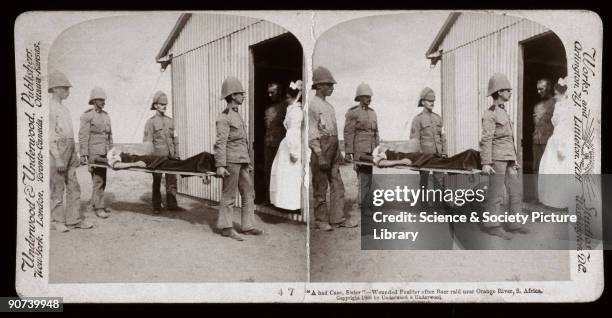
x=286 y=176
x=556 y=166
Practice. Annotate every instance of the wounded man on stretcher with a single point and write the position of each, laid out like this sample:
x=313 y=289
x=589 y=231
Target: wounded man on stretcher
x=408 y=154
x=203 y=162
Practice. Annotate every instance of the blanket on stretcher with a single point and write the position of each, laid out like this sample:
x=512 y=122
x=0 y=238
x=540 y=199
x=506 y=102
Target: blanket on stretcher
x=202 y=162
x=467 y=160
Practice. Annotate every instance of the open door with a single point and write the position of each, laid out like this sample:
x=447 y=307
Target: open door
x=275 y=60
x=543 y=57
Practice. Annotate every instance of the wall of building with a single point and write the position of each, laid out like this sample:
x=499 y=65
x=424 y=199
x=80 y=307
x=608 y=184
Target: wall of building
x=208 y=49
x=477 y=46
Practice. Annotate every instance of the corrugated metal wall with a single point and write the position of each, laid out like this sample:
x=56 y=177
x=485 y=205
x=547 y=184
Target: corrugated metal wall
x=471 y=26
x=477 y=46
x=208 y=49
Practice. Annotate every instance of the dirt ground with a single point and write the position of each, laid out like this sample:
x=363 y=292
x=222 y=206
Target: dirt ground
x=133 y=245
x=336 y=256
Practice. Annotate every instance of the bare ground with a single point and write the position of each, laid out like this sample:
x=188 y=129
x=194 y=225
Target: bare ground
x=336 y=256
x=134 y=245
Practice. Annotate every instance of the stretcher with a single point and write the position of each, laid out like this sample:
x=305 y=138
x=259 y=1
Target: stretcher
x=414 y=168
x=181 y=173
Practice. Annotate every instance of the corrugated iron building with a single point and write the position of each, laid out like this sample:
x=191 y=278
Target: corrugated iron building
x=204 y=49
x=471 y=47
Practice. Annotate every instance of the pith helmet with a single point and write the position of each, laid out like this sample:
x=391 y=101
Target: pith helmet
x=58 y=79
x=96 y=93
x=363 y=90
x=159 y=98
x=498 y=81
x=426 y=94
x=321 y=75
x=230 y=86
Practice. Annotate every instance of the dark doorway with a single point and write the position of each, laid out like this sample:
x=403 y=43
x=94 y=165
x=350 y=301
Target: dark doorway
x=543 y=57
x=275 y=60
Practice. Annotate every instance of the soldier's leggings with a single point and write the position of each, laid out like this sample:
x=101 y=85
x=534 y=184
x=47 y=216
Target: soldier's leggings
x=320 y=180
x=505 y=178
x=364 y=176
x=239 y=180
x=66 y=212
x=98 y=180
x=170 y=190
x=438 y=180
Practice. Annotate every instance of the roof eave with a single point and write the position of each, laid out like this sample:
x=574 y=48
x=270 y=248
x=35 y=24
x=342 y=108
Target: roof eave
x=178 y=27
x=433 y=52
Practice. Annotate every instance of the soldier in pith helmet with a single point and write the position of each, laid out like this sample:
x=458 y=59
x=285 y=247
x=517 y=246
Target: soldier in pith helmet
x=160 y=136
x=361 y=136
x=95 y=140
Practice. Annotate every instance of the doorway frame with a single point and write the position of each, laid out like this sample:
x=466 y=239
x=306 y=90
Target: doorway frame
x=520 y=87
x=304 y=215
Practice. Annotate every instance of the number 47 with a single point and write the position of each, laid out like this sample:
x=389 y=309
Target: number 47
x=290 y=290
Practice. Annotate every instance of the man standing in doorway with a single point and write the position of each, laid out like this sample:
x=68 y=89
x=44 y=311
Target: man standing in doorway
x=275 y=131
x=498 y=158
x=95 y=140
x=361 y=137
x=542 y=122
x=427 y=129
x=159 y=136
x=63 y=161
x=326 y=157
x=233 y=161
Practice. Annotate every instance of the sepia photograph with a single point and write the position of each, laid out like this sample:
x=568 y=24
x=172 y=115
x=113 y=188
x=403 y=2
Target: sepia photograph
x=176 y=151
x=309 y=156
x=432 y=100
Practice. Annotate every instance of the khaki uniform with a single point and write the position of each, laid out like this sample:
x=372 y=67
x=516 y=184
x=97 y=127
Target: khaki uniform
x=63 y=153
x=543 y=129
x=497 y=140
x=159 y=130
x=497 y=149
x=275 y=132
x=232 y=151
x=323 y=141
x=360 y=138
x=427 y=129
x=95 y=140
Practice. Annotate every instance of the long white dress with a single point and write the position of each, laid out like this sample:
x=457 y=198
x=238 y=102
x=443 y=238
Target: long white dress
x=556 y=167
x=286 y=176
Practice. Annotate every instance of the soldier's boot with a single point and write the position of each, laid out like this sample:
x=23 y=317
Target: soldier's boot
x=60 y=227
x=175 y=208
x=519 y=229
x=84 y=224
x=324 y=226
x=349 y=223
x=101 y=213
x=171 y=202
x=253 y=231
x=231 y=233
x=498 y=231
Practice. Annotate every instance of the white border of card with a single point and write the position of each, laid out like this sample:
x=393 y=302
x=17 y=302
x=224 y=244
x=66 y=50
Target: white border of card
x=37 y=31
